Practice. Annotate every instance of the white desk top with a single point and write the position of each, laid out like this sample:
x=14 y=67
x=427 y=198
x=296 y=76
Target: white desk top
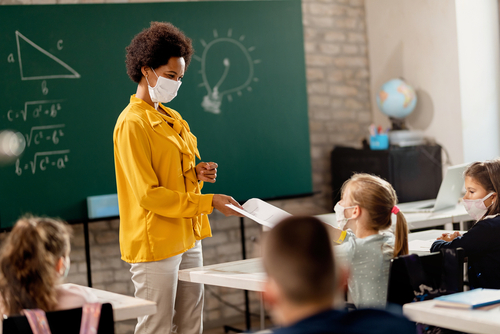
x=420 y=220
x=420 y=242
x=249 y=274
x=124 y=307
x=245 y=274
x=485 y=321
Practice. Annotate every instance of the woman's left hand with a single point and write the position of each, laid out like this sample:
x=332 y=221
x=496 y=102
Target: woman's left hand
x=207 y=171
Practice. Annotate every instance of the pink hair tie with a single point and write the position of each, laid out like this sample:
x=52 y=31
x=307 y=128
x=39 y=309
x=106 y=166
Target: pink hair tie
x=395 y=210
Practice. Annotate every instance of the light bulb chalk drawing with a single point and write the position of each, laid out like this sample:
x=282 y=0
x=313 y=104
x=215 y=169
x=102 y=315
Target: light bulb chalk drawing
x=71 y=75
x=213 y=100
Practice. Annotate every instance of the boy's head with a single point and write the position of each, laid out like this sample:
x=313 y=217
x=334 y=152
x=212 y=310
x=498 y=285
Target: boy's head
x=299 y=262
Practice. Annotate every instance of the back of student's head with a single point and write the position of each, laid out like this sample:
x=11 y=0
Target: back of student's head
x=487 y=174
x=378 y=197
x=28 y=262
x=297 y=255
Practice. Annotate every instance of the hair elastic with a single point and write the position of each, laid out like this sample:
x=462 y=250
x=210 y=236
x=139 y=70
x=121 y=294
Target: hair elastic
x=395 y=210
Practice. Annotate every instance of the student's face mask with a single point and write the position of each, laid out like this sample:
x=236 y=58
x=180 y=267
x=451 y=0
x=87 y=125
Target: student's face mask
x=476 y=207
x=339 y=214
x=165 y=89
x=66 y=265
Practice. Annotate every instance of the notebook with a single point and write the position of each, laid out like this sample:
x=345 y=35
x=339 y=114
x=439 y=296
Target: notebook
x=470 y=299
x=449 y=193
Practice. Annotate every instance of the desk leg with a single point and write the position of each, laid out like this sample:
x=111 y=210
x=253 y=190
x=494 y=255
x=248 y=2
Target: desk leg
x=244 y=255
x=87 y=252
x=248 y=323
x=463 y=225
x=262 y=313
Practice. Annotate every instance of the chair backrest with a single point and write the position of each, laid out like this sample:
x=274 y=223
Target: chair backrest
x=414 y=278
x=62 y=322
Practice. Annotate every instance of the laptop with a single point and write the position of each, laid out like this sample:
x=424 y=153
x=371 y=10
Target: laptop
x=449 y=193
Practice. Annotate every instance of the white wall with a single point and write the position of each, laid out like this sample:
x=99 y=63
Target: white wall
x=478 y=57
x=417 y=40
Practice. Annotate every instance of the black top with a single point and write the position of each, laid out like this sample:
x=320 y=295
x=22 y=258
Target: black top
x=364 y=321
x=482 y=247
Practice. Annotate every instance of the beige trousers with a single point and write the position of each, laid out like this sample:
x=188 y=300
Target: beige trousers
x=179 y=304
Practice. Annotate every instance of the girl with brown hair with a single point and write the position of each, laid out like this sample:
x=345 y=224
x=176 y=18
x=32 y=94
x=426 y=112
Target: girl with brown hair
x=33 y=261
x=480 y=243
x=363 y=213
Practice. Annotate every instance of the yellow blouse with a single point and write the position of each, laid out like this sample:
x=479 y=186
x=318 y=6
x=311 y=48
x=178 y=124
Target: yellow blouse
x=162 y=210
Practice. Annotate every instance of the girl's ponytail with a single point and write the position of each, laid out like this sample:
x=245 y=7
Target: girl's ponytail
x=378 y=197
x=401 y=234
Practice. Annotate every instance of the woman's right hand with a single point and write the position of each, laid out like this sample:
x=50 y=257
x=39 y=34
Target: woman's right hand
x=219 y=202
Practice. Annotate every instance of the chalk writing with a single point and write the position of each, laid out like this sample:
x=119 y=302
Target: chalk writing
x=39 y=133
x=71 y=73
x=55 y=159
x=41 y=108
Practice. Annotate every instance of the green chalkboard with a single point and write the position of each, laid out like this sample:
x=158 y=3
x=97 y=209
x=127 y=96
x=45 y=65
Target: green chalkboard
x=63 y=84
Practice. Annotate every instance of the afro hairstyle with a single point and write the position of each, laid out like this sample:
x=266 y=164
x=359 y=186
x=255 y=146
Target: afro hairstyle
x=154 y=47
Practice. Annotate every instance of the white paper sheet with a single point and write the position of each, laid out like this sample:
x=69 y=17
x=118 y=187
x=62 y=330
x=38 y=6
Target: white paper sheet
x=261 y=212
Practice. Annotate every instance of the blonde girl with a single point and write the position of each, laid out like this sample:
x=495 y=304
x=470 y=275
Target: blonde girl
x=33 y=260
x=364 y=216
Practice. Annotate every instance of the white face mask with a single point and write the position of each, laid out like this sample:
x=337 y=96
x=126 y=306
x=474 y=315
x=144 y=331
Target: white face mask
x=339 y=214
x=476 y=207
x=66 y=265
x=165 y=89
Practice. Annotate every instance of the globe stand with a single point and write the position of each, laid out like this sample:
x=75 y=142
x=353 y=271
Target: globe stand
x=398 y=124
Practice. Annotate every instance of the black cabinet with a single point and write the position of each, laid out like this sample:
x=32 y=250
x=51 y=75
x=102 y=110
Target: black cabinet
x=415 y=172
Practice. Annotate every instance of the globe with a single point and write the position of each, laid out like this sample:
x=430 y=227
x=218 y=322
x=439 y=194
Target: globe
x=396 y=99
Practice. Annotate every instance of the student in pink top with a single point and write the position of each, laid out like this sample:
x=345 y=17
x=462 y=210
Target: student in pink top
x=33 y=262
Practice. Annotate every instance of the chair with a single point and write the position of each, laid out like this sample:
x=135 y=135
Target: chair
x=423 y=277
x=62 y=322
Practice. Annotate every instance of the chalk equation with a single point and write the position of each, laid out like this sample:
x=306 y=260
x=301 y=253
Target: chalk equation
x=36 y=109
x=42 y=138
x=45 y=132
x=44 y=160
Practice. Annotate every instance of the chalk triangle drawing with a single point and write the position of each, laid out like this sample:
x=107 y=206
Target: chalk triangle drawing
x=45 y=67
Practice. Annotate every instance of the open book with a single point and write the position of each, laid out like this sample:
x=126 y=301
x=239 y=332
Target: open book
x=261 y=212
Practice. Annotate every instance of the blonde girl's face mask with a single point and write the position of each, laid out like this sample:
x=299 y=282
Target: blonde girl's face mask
x=340 y=215
x=476 y=207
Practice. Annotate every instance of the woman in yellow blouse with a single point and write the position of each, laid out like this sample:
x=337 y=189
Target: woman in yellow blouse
x=163 y=214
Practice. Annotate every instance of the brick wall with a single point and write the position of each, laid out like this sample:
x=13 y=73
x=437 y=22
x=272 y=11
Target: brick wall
x=339 y=114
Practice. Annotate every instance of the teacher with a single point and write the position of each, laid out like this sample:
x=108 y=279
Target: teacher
x=163 y=214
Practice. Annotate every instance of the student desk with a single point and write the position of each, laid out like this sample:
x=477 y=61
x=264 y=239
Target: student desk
x=249 y=274
x=124 y=307
x=485 y=321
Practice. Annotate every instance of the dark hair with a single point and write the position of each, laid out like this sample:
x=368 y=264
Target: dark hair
x=298 y=255
x=28 y=261
x=378 y=197
x=154 y=47
x=487 y=174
